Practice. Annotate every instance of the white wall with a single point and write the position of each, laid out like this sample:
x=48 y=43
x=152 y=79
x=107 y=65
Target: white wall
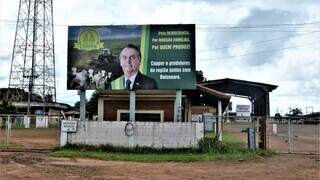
x=150 y=134
x=41 y=121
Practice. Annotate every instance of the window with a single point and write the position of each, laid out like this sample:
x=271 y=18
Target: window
x=141 y=115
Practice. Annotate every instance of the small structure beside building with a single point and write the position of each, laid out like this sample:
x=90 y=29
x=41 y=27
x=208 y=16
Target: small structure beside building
x=73 y=113
x=42 y=114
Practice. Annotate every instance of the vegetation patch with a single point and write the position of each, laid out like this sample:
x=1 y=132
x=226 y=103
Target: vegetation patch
x=231 y=149
x=3 y=144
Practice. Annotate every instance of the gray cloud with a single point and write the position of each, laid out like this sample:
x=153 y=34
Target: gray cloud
x=5 y=57
x=3 y=78
x=256 y=17
x=268 y=67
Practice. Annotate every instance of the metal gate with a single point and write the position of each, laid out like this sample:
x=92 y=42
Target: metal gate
x=283 y=135
x=293 y=135
x=237 y=126
x=18 y=131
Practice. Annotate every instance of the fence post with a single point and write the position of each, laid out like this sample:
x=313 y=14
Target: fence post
x=263 y=133
x=220 y=121
x=289 y=134
x=8 y=131
x=256 y=123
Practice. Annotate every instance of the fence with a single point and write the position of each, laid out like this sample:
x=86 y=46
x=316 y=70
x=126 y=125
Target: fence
x=237 y=127
x=294 y=134
x=288 y=135
x=29 y=132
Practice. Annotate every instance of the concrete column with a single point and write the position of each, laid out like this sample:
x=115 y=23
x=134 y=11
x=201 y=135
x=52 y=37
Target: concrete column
x=132 y=116
x=100 y=109
x=132 y=106
x=82 y=94
x=8 y=123
x=220 y=120
x=177 y=106
x=26 y=121
x=228 y=120
x=63 y=138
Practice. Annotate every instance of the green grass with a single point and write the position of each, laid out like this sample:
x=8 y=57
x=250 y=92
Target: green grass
x=155 y=157
x=231 y=149
x=3 y=144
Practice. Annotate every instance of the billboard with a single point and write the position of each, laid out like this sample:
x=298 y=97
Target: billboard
x=131 y=57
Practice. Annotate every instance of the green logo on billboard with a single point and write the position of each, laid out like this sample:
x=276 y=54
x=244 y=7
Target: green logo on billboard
x=89 y=39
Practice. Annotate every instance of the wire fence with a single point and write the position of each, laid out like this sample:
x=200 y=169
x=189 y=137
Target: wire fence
x=289 y=135
x=29 y=132
x=294 y=134
x=286 y=134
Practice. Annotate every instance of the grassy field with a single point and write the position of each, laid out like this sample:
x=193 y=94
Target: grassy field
x=230 y=150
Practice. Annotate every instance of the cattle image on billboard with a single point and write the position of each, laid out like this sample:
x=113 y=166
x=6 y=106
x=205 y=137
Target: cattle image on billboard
x=131 y=57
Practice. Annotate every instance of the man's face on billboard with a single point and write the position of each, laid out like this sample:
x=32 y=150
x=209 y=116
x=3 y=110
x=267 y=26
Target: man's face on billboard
x=129 y=61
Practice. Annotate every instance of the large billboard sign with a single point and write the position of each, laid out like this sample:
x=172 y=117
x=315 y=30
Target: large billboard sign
x=131 y=57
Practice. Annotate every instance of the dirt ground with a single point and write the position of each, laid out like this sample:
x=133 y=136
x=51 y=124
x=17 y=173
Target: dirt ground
x=32 y=138
x=42 y=166
x=304 y=138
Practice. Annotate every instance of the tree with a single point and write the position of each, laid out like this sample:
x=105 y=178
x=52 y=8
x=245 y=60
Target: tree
x=92 y=104
x=77 y=105
x=277 y=116
x=200 y=77
x=48 y=98
x=17 y=91
x=295 y=112
x=7 y=108
x=4 y=93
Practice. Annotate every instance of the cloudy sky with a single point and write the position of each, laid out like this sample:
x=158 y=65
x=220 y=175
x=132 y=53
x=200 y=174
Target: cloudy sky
x=274 y=42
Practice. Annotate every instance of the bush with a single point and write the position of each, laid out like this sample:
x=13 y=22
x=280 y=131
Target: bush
x=212 y=145
x=136 y=149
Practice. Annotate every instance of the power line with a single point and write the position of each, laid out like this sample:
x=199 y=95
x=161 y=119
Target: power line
x=257 y=27
x=226 y=30
x=264 y=25
x=316 y=24
x=257 y=42
x=259 y=52
x=68 y=96
x=71 y=102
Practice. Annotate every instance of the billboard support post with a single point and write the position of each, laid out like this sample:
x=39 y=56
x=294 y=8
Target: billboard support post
x=132 y=106
x=82 y=94
x=132 y=113
x=177 y=106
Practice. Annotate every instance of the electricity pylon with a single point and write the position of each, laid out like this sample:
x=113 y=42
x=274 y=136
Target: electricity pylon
x=33 y=59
